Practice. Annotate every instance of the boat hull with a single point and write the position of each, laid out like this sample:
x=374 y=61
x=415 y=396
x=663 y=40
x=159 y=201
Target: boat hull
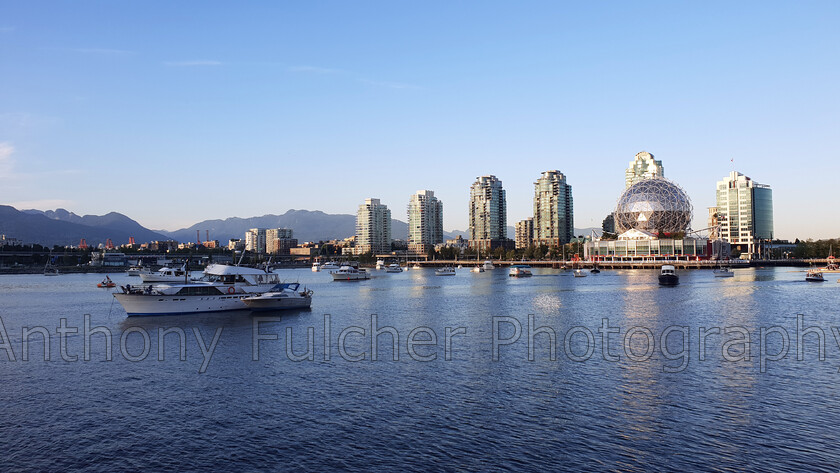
x=349 y=277
x=144 y=304
x=261 y=305
x=668 y=280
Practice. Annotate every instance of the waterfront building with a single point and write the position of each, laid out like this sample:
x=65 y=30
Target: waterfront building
x=553 y=213
x=643 y=167
x=744 y=213
x=524 y=233
x=655 y=205
x=641 y=245
x=488 y=214
x=425 y=222
x=255 y=240
x=373 y=228
x=278 y=241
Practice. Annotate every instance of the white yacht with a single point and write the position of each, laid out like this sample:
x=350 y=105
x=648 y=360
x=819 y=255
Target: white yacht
x=330 y=265
x=221 y=289
x=579 y=273
x=520 y=271
x=393 y=268
x=380 y=264
x=417 y=266
x=316 y=266
x=137 y=270
x=478 y=269
x=724 y=272
x=349 y=273
x=488 y=265
x=445 y=271
x=165 y=274
x=281 y=296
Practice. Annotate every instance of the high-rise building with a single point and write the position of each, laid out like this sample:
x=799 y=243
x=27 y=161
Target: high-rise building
x=425 y=222
x=278 y=241
x=744 y=213
x=553 y=213
x=525 y=233
x=255 y=240
x=643 y=167
x=608 y=224
x=488 y=214
x=373 y=228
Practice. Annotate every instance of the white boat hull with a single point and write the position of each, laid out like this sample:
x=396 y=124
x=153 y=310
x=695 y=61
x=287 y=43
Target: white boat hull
x=143 y=304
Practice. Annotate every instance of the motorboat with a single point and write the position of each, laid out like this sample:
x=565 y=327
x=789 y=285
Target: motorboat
x=445 y=271
x=316 y=266
x=380 y=264
x=281 y=296
x=579 y=273
x=393 y=268
x=330 y=265
x=107 y=282
x=488 y=265
x=222 y=288
x=520 y=271
x=349 y=273
x=668 y=276
x=724 y=272
x=478 y=269
x=814 y=275
x=460 y=266
x=595 y=270
x=50 y=270
x=165 y=274
x=416 y=266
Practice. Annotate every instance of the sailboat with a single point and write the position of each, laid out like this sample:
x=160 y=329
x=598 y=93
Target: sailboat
x=49 y=269
x=831 y=263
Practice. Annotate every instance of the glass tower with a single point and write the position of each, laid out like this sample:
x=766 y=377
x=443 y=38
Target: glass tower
x=744 y=212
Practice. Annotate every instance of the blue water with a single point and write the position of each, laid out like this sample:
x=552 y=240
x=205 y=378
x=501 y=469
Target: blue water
x=467 y=413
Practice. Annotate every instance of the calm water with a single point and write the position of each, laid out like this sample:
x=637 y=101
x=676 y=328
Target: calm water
x=468 y=413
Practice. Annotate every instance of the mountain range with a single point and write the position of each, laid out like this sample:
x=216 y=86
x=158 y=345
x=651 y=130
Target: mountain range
x=61 y=227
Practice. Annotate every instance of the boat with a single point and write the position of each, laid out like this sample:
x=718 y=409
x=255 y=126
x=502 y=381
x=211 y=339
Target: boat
x=478 y=269
x=831 y=263
x=724 y=272
x=393 y=268
x=460 y=266
x=281 y=296
x=417 y=266
x=579 y=273
x=222 y=288
x=668 y=276
x=330 y=265
x=519 y=271
x=814 y=275
x=316 y=267
x=380 y=264
x=137 y=270
x=349 y=273
x=445 y=271
x=106 y=282
x=49 y=269
x=165 y=274
x=595 y=270
x=488 y=265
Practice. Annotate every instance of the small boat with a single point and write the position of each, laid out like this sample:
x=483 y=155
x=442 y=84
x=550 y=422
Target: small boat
x=393 y=268
x=668 y=276
x=478 y=269
x=595 y=270
x=330 y=265
x=724 y=272
x=579 y=273
x=281 y=296
x=445 y=271
x=380 y=264
x=417 y=266
x=106 y=282
x=519 y=271
x=488 y=265
x=814 y=275
x=316 y=267
x=166 y=274
x=349 y=273
x=460 y=267
x=50 y=270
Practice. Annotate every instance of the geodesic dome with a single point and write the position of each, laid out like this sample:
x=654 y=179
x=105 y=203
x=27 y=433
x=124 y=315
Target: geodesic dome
x=654 y=205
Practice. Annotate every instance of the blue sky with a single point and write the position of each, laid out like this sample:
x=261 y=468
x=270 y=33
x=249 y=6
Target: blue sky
x=175 y=112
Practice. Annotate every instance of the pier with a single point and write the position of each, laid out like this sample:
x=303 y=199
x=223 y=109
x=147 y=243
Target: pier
x=648 y=264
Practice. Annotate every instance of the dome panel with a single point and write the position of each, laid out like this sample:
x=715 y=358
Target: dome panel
x=654 y=205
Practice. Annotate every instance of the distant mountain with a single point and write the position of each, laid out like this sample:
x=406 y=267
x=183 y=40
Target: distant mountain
x=307 y=225
x=65 y=228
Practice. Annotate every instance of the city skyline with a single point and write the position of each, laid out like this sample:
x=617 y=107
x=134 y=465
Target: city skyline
x=98 y=108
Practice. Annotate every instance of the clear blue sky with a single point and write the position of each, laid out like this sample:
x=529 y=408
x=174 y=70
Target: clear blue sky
x=175 y=112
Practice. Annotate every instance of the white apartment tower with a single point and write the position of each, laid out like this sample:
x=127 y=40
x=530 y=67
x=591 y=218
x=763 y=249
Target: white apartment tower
x=425 y=222
x=373 y=228
x=553 y=213
x=643 y=167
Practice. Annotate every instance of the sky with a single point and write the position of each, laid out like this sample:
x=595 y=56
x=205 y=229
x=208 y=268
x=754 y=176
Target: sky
x=176 y=112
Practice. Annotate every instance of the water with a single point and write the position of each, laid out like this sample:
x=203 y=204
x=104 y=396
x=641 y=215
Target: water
x=466 y=413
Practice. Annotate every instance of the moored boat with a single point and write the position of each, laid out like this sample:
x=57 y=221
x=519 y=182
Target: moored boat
x=668 y=276
x=579 y=273
x=393 y=268
x=814 y=275
x=349 y=273
x=316 y=267
x=330 y=265
x=488 y=265
x=445 y=271
x=519 y=271
x=165 y=274
x=478 y=269
x=281 y=296
x=724 y=272
x=106 y=282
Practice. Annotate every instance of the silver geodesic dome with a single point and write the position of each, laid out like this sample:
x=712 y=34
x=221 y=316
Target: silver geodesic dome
x=654 y=205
